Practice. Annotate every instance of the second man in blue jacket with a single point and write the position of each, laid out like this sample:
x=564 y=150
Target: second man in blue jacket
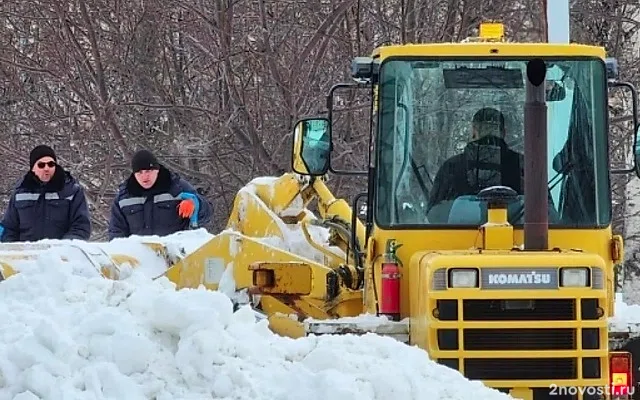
x=155 y=201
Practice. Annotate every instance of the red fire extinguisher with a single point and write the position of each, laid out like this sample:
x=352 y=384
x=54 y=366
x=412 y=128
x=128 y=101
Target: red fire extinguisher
x=390 y=288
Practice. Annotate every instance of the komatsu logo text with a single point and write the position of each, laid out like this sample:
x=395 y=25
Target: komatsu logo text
x=519 y=278
x=510 y=279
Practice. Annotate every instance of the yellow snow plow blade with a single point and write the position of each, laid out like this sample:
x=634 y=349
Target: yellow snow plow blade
x=14 y=257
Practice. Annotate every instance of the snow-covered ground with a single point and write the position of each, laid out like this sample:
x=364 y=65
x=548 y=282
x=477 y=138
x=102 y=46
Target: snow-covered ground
x=67 y=333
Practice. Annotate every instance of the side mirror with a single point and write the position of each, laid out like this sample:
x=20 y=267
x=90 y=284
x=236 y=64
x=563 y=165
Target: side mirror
x=311 y=146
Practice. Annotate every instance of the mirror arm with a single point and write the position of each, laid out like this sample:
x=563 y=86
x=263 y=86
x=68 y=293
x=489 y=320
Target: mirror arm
x=358 y=85
x=634 y=99
x=342 y=85
x=634 y=106
x=356 y=245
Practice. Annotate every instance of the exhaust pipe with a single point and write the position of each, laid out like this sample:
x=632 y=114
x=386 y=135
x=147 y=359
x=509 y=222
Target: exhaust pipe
x=536 y=220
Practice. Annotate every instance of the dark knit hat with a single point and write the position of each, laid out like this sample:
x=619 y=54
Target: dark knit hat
x=41 y=151
x=144 y=159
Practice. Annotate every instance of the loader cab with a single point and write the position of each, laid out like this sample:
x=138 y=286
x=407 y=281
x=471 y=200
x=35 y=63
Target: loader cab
x=429 y=158
x=428 y=166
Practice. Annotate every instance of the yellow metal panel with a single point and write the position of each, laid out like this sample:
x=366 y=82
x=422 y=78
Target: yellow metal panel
x=251 y=218
x=498 y=237
x=434 y=352
x=419 y=332
x=483 y=49
x=285 y=326
x=601 y=323
x=271 y=306
x=303 y=290
x=6 y=271
x=506 y=258
x=491 y=30
x=293 y=277
x=415 y=241
x=521 y=393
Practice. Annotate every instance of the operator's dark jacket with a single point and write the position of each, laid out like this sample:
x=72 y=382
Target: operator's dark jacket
x=139 y=211
x=485 y=162
x=55 y=210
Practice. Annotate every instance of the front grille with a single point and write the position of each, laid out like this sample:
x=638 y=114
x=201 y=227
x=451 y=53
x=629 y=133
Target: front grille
x=520 y=368
x=539 y=337
x=520 y=339
x=499 y=310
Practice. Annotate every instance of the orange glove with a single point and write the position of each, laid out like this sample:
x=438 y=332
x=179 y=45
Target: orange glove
x=186 y=208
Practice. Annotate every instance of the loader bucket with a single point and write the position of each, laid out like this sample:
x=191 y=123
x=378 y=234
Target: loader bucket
x=104 y=257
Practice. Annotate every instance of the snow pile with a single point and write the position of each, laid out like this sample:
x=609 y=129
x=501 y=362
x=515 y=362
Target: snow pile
x=180 y=243
x=626 y=317
x=630 y=290
x=362 y=322
x=365 y=321
x=21 y=256
x=69 y=334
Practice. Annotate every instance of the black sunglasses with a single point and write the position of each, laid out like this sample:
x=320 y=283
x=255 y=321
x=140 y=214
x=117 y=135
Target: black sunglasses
x=49 y=164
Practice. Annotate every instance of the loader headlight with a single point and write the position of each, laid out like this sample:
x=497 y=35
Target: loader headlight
x=574 y=277
x=463 y=277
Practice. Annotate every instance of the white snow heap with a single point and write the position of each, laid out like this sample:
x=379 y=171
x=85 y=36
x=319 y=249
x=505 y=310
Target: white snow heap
x=67 y=333
x=626 y=317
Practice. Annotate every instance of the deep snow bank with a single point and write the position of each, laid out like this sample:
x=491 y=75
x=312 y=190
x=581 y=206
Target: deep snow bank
x=67 y=333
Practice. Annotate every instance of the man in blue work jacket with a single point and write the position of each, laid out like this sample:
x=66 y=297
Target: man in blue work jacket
x=47 y=203
x=155 y=201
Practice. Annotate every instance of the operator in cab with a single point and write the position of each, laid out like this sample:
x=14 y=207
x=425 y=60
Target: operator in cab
x=486 y=161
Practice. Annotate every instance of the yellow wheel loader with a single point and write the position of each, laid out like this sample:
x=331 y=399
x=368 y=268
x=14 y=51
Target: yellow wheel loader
x=511 y=284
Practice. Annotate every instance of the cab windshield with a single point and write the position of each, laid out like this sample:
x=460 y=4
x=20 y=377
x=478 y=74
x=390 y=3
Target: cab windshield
x=450 y=128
